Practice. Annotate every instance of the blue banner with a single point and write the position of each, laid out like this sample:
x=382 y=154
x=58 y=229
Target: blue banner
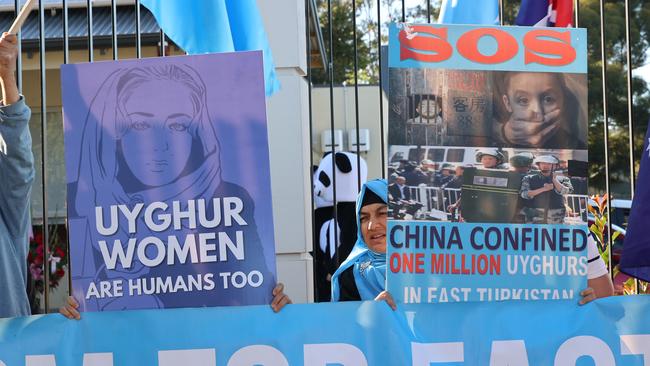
x=465 y=47
x=611 y=331
x=451 y=262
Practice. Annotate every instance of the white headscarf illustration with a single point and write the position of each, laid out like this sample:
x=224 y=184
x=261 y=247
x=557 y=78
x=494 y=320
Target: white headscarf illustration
x=99 y=169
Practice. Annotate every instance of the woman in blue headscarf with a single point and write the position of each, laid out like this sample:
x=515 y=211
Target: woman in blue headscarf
x=362 y=276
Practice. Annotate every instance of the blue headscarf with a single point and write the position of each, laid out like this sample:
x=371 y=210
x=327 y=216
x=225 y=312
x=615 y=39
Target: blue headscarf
x=369 y=267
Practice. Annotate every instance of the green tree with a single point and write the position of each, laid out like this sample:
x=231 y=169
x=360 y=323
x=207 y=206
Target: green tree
x=589 y=17
x=616 y=89
x=616 y=53
x=342 y=47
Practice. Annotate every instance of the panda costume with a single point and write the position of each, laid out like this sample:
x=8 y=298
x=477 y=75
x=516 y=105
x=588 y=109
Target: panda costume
x=330 y=250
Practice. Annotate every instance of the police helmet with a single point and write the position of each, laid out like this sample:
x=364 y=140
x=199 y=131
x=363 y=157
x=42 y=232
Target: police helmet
x=550 y=159
x=522 y=159
x=448 y=166
x=491 y=151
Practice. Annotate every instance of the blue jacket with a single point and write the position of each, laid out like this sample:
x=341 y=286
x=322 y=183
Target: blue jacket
x=16 y=177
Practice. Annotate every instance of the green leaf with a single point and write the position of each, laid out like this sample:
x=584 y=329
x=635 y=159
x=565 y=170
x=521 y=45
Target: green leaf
x=596 y=232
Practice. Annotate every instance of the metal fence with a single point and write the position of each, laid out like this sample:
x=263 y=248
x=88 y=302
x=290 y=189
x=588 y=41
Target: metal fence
x=80 y=33
x=339 y=22
x=58 y=32
x=436 y=203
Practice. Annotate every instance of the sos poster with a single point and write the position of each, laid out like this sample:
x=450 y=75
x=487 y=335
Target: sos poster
x=169 y=197
x=488 y=138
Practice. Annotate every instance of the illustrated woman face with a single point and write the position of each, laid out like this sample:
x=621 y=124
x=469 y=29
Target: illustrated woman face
x=531 y=96
x=158 y=142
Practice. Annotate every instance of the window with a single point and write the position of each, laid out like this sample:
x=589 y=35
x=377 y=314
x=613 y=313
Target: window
x=416 y=155
x=455 y=155
x=436 y=155
x=397 y=157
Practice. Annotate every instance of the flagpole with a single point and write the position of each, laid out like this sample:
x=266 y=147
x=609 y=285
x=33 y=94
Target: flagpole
x=66 y=59
x=381 y=95
x=606 y=134
x=501 y=12
x=333 y=137
x=308 y=10
x=162 y=43
x=19 y=62
x=630 y=105
x=114 y=28
x=576 y=9
x=89 y=25
x=356 y=90
x=138 y=39
x=44 y=157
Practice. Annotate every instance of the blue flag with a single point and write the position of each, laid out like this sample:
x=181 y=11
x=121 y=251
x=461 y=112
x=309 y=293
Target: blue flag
x=204 y=26
x=635 y=260
x=469 y=12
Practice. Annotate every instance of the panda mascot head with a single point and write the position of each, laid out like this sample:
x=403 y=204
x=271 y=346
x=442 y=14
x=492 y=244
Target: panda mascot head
x=347 y=178
x=319 y=202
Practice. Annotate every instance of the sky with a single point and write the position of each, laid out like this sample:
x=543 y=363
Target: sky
x=643 y=71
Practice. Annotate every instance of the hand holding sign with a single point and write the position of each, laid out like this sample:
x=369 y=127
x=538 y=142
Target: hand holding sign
x=8 y=55
x=388 y=298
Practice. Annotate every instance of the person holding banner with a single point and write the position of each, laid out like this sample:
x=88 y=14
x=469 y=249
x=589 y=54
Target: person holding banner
x=362 y=276
x=71 y=309
x=16 y=176
x=598 y=280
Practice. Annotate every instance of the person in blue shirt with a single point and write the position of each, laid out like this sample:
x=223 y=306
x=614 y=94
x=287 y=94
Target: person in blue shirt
x=16 y=177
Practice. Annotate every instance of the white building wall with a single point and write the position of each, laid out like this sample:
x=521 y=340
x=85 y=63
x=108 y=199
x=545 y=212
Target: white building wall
x=288 y=124
x=345 y=119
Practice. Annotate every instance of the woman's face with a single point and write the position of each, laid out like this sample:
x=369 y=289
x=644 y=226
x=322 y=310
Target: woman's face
x=532 y=95
x=374 y=218
x=158 y=143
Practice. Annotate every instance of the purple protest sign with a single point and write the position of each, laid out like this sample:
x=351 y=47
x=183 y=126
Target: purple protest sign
x=169 y=196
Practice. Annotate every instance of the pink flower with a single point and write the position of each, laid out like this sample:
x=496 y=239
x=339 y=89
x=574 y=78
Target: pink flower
x=36 y=271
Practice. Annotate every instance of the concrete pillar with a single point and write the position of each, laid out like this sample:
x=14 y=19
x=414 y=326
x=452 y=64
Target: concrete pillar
x=288 y=126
